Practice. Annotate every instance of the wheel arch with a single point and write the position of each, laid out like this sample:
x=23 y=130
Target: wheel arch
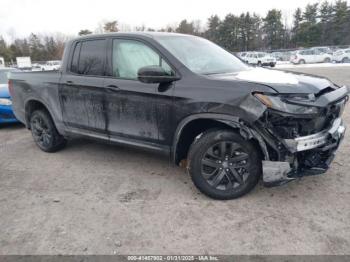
x=30 y=106
x=194 y=125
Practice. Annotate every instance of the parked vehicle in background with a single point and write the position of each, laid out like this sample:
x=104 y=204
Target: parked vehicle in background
x=242 y=54
x=277 y=55
x=6 y=113
x=2 y=62
x=36 y=67
x=310 y=56
x=342 y=56
x=286 y=55
x=182 y=95
x=51 y=65
x=260 y=59
x=323 y=49
x=24 y=63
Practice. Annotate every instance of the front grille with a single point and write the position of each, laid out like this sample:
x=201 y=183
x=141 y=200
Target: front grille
x=290 y=127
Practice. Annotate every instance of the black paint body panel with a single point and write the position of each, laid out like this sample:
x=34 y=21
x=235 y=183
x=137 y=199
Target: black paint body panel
x=143 y=114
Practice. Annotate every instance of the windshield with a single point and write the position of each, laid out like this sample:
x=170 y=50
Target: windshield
x=4 y=74
x=201 y=56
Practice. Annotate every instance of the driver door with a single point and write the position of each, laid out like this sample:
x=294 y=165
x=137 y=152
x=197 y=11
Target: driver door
x=133 y=107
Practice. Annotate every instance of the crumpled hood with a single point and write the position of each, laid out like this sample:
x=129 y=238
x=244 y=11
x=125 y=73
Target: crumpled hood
x=280 y=81
x=4 y=91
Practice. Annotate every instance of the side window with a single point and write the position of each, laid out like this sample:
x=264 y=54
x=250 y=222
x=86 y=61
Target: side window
x=75 y=58
x=129 y=56
x=89 y=58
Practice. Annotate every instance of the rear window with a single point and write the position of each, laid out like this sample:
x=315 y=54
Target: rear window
x=89 y=58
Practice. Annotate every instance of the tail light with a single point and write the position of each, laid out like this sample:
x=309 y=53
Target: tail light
x=10 y=85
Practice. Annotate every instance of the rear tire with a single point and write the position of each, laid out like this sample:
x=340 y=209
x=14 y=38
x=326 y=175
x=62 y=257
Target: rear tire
x=327 y=60
x=223 y=165
x=45 y=133
x=301 y=62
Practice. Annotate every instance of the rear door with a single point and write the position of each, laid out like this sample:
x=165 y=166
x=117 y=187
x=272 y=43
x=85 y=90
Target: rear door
x=81 y=87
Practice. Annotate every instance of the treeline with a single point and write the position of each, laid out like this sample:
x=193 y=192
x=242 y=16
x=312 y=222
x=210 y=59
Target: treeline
x=315 y=25
x=326 y=23
x=39 y=48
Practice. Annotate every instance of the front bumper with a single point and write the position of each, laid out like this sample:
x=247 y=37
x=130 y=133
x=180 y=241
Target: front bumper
x=316 y=140
x=318 y=150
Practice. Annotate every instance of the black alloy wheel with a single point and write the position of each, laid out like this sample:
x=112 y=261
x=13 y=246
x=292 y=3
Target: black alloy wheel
x=45 y=133
x=223 y=165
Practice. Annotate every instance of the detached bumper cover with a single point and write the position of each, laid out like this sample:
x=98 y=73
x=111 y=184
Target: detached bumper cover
x=278 y=173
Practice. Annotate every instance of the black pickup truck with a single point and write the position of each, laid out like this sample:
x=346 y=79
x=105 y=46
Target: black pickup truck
x=227 y=122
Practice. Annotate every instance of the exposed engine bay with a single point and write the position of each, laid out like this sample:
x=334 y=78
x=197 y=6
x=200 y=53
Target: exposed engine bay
x=302 y=144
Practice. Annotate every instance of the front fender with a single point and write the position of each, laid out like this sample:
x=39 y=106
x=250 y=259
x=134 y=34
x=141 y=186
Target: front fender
x=229 y=120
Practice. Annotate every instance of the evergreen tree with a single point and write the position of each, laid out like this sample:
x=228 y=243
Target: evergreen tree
x=185 y=27
x=111 y=26
x=273 y=29
x=228 y=32
x=297 y=19
x=310 y=32
x=37 y=51
x=5 y=52
x=340 y=28
x=212 y=32
x=84 y=32
x=326 y=16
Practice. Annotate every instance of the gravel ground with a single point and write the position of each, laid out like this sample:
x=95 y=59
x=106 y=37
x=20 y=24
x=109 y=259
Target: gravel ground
x=93 y=198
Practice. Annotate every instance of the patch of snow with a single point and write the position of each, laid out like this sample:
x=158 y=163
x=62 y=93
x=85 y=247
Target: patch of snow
x=290 y=65
x=262 y=75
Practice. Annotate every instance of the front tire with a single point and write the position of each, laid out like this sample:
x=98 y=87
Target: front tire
x=223 y=165
x=45 y=133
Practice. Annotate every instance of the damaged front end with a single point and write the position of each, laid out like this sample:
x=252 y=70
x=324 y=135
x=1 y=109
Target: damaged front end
x=302 y=133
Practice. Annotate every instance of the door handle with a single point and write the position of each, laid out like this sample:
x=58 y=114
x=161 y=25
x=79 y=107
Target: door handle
x=69 y=83
x=112 y=87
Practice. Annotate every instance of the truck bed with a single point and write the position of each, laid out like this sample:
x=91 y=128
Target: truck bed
x=39 y=86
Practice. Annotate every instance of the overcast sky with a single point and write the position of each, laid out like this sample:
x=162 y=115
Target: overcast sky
x=21 y=17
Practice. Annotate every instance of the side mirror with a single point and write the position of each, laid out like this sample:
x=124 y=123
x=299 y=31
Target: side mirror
x=155 y=74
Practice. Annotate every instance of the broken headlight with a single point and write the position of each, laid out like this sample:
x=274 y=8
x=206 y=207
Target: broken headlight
x=281 y=104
